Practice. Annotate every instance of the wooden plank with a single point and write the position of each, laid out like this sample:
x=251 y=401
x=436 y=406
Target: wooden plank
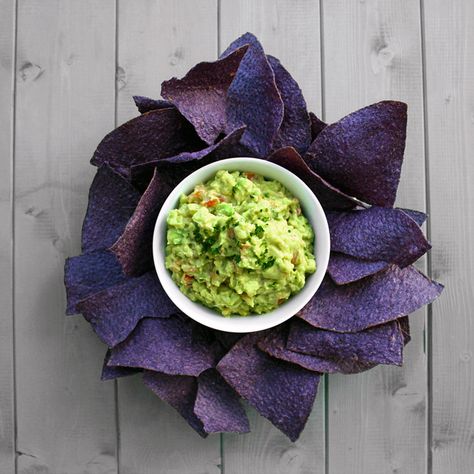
x=449 y=72
x=7 y=60
x=290 y=31
x=372 y=49
x=65 y=104
x=158 y=40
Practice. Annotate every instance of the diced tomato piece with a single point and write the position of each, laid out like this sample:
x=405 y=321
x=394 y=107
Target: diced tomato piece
x=211 y=202
x=281 y=300
x=249 y=175
x=188 y=279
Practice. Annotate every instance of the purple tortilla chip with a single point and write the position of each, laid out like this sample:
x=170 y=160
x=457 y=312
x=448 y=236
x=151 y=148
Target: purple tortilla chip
x=253 y=98
x=111 y=373
x=379 y=345
x=282 y=392
x=377 y=234
x=328 y=196
x=165 y=345
x=201 y=95
x=153 y=135
x=225 y=148
x=112 y=200
x=145 y=104
x=218 y=406
x=317 y=125
x=274 y=344
x=418 y=216
x=134 y=247
x=377 y=299
x=362 y=154
x=295 y=129
x=179 y=391
x=90 y=273
x=345 y=269
x=115 y=311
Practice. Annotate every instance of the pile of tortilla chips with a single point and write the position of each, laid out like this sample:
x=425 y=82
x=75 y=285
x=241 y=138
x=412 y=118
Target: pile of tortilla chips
x=247 y=104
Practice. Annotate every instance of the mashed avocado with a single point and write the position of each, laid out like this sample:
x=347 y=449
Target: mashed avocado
x=239 y=244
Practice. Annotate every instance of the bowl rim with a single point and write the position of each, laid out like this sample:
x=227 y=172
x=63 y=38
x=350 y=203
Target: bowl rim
x=250 y=323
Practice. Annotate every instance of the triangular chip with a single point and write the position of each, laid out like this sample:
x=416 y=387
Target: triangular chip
x=134 y=247
x=362 y=154
x=345 y=269
x=377 y=234
x=274 y=344
x=374 y=300
x=112 y=200
x=253 y=98
x=282 y=392
x=88 y=274
x=378 y=345
x=218 y=406
x=328 y=196
x=295 y=129
x=165 y=345
x=179 y=391
x=114 y=312
x=153 y=135
x=201 y=95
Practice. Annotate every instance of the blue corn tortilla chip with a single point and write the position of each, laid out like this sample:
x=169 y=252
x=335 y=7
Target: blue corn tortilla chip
x=317 y=125
x=228 y=147
x=418 y=216
x=379 y=345
x=345 y=269
x=90 y=273
x=145 y=104
x=134 y=247
x=377 y=234
x=329 y=197
x=282 y=392
x=179 y=391
x=201 y=95
x=374 y=300
x=165 y=345
x=362 y=154
x=112 y=373
x=218 y=406
x=253 y=98
x=295 y=129
x=153 y=135
x=114 y=312
x=112 y=200
x=274 y=344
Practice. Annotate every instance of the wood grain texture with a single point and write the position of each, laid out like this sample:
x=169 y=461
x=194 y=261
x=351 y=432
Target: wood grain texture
x=7 y=392
x=377 y=421
x=65 y=104
x=158 y=40
x=449 y=43
x=290 y=31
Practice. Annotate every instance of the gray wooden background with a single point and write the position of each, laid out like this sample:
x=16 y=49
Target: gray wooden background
x=68 y=69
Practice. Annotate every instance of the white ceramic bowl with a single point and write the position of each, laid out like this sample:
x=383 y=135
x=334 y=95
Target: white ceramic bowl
x=312 y=210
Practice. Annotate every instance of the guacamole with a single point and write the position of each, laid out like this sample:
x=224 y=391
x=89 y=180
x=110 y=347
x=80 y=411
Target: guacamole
x=239 y=244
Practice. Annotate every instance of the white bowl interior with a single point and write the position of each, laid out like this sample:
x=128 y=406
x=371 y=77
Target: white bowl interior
x=311 y=209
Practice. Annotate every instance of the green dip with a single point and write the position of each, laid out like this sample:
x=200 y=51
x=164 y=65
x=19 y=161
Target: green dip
x=239 y=244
